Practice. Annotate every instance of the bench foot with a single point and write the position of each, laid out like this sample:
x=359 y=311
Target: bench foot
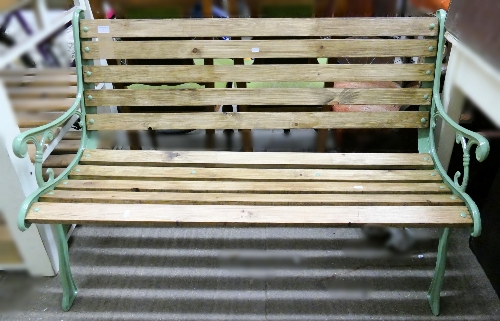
x=437 y=281
x=68 y=284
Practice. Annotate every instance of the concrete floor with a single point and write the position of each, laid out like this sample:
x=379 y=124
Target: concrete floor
x=252 y=273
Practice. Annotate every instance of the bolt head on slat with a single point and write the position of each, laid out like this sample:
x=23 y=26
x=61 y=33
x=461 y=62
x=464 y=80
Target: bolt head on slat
x=87 y=155
x=433 y=174
x=428 y=72
x=90 y=97
x=65 y=183
x=36 y=209
x=423 y=120
x=431 y=48
x=426 y=97
x=432 y=26
x=91 y=121
x=87 y=49
x=426 y=159
x=88 y=73
x=463 y=215
x=85 y=29
x=442 y=187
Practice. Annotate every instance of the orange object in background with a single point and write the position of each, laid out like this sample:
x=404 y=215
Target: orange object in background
x=431 y=5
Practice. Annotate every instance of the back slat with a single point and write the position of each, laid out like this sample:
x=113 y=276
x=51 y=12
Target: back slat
x=258 y=49
x=283 y=27
x=258 y=73
x=245 y=120
x=259 y=96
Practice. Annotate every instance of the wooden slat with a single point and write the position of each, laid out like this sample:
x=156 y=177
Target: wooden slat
x=256 y=160
x=43 y=104
x=114 y=197
x=42 y=80
x=401 y=119
x=67 y=147
x=258 y=49
x=57 y=172
x=238 y=27
x=36 y=119
x=260 y=96
x=42 y=92
x=206 y=215
x=54 y=161
x=255 y=187
x=200 y=173
x=73 y=135
x=258 y=73
x=38 y=71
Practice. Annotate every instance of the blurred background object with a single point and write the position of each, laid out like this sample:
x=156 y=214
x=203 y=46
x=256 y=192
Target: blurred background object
x=471 y=95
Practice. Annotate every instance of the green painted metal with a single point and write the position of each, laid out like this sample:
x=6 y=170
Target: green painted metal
x=431 y=48
x=433 y=295
x=68 y=284
x=432 y=26
x=87 y=49
x=465 y=137
x=40 y=135
x=85 y=29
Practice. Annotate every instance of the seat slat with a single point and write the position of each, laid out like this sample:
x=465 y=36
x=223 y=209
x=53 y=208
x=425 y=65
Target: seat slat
x=42 y=92
x=252 y=174
x=257 y=159
x=209 y=215
x=43 y=80
x=255 y=187
x=258 y=49
x=257 y=96
x=36 y=119
x=241 y=27
x=258 y=73
x=248 y=120
x=114 y=197
x=58 y=161
x=43 y=104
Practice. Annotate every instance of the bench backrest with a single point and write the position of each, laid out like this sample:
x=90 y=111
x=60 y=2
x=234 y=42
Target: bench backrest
x=198 y=39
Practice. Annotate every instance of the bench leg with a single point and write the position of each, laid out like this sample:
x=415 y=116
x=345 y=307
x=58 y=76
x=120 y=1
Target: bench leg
x=68 y=284
x=437 y=281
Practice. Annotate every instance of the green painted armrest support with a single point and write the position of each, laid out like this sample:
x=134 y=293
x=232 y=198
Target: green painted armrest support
x=465 y=137
x=40 y=135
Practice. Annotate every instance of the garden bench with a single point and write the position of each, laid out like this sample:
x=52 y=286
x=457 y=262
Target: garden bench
x=207 y=188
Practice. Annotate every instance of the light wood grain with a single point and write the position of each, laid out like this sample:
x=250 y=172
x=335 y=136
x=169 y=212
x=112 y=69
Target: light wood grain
x=42 y=92
x=266 y=48
x=67 y=147
x=253 y=174
x=410 y=119
x=57 y=172
x=73 y=135
x=43 y=104
x=207 y=215
x=260 y=96
x=54 y=161
x=258 y=73
x=40 y=80
x=255 y=187
x=114 y=197
x=36 y=119
x=269 y=27
x=211 y=159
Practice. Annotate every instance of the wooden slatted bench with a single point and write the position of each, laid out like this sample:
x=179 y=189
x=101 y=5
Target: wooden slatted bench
x=205 y=188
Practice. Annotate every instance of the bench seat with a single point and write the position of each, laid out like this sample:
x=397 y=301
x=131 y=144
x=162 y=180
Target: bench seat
x=231 y=188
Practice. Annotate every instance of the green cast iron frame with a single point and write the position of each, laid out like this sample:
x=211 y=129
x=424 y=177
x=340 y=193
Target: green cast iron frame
x=427 y=144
